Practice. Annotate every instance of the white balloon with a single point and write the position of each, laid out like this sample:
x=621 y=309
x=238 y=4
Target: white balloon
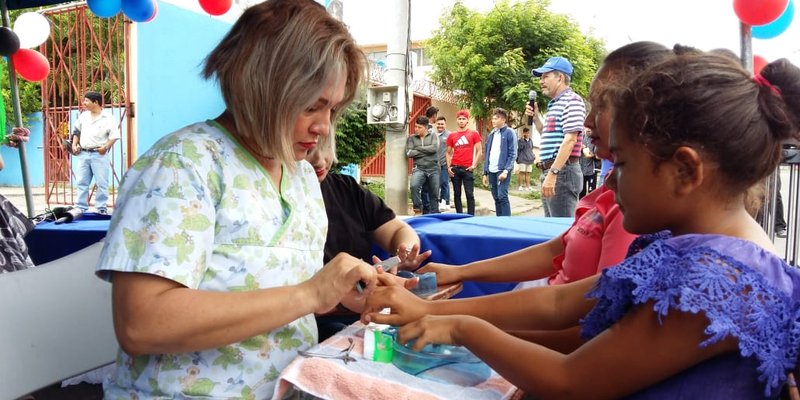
x=32 y=29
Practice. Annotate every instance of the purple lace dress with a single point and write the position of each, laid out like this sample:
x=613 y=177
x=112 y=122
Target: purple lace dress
x=743 y=290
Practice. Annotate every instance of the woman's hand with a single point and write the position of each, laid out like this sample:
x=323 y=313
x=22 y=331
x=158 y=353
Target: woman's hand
x=439 y=329
x=406 y=306
x=445 y=273
x=338 y=278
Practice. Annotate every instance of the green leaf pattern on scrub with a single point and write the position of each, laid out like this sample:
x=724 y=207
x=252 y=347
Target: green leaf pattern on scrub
x=198 y=209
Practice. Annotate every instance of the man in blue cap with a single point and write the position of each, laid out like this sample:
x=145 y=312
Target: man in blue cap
x=562 y=132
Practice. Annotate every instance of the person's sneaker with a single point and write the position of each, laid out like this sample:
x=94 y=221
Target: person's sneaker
x=781 y=233
x=519 y=189
x=417 y=211
x=442 y=206
x=102 y=211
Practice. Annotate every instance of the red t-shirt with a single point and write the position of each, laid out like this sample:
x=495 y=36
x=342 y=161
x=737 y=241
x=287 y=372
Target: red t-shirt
x=462 y=143
x=595 y=241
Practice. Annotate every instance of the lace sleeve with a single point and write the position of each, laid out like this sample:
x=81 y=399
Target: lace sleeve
x=737 y=300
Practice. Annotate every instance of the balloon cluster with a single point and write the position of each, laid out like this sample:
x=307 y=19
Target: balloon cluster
x=769 y=18
x=30 y=30
x=136 y=10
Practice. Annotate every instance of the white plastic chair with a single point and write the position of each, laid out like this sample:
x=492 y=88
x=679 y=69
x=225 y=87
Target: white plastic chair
x=55 y=322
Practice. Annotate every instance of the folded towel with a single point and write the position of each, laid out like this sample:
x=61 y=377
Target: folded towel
x=333 y=379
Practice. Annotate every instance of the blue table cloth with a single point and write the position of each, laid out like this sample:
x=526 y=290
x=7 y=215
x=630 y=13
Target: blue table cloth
x=461 y=238
x=48 y=241
x=454 y=238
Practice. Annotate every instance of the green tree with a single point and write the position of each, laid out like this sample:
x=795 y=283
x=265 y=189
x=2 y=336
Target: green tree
x=488 y=57
x=355 y=139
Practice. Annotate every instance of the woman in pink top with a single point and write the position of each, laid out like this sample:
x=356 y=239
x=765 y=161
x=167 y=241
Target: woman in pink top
x=596 y=240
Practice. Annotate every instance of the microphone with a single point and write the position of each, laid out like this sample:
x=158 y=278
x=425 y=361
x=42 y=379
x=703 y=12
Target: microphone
x=531 y=102
x=70 y=215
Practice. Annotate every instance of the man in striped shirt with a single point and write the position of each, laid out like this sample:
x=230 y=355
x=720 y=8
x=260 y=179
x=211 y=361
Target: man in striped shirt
x=562 y=132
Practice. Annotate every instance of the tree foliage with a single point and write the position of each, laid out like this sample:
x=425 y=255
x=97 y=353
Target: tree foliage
x=488 y=57
x=355 y=139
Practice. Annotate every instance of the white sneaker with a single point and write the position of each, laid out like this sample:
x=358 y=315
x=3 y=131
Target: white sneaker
x=519 y=189
x=442 y=206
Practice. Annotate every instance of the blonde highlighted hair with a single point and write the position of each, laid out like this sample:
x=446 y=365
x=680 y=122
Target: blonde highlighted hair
x=274 y=64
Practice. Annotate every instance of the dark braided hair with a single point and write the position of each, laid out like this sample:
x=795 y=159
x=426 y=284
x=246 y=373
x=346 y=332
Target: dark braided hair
x=707 y=101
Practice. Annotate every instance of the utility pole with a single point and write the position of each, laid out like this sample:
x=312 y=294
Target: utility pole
x=396 y=175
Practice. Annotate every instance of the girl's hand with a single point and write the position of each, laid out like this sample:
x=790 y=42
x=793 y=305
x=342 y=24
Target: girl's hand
x=338 y=279
x=445 y=273
x=406 y=306
x=410 y=259
x=438 y=329
x=387 y=279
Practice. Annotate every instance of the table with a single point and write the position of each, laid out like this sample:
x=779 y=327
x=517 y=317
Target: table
x=454 y=239
x=460 y=238
x=362 y=379
x=49 y=241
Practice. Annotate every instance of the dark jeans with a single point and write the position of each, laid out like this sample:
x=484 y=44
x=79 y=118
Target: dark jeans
x=568 y=186
x=461 y=175
x=589 y=184
x=499 y=191
x=430 y=181
x=780 y=222
x=444 y=186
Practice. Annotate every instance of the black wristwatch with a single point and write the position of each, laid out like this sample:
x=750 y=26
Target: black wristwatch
x=554 y=170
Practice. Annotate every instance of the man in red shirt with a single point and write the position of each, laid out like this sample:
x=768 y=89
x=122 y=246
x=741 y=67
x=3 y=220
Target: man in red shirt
x=463 y=155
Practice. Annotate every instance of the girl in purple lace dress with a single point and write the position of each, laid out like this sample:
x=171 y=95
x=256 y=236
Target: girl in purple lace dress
x=702 y=307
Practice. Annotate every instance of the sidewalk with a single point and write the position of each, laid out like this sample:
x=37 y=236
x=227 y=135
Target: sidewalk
x=520 y=204
x=17 y=197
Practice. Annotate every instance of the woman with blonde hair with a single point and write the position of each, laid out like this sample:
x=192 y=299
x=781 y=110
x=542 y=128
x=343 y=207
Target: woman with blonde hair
x=215 y=249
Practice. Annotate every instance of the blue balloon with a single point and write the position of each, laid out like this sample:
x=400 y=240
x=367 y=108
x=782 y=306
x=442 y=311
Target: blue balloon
x=105 y=8
x=776 y=27
x=138 y=10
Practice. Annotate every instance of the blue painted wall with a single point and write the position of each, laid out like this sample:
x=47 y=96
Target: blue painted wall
x=171 y=92
x=11 y=175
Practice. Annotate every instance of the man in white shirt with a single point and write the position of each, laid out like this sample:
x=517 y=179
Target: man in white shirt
x=92 y=138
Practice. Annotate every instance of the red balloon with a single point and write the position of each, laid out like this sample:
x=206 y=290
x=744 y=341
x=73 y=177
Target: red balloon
x=219 y=7
x=758 y=63
x=31 y=65
x=759 y=12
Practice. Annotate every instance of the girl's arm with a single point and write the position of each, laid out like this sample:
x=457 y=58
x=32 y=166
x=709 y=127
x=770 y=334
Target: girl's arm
x=633 y=354
x=539 y=308
x=533 y=262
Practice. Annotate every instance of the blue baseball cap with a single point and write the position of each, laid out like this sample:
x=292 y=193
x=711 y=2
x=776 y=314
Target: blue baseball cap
x=554 y=64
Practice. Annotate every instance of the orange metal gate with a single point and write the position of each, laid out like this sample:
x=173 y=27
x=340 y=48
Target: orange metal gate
x=85 y=53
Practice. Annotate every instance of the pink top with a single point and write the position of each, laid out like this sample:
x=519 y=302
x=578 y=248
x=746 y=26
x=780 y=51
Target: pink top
x=594 y=242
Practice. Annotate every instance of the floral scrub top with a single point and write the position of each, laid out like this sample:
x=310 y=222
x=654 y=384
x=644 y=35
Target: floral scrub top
x=199 y=210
